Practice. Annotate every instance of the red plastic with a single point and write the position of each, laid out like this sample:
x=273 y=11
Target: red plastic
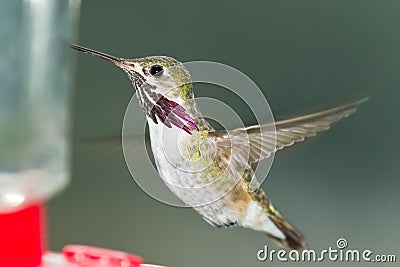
x=21 y=243
x=94 y=256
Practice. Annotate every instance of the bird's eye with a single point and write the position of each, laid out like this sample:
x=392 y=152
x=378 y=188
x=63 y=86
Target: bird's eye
x=156 y=70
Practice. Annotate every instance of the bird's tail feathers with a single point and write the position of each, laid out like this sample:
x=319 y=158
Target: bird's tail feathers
x=261 y=215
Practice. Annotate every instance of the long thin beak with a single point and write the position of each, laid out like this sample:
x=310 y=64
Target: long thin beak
x=85 y=50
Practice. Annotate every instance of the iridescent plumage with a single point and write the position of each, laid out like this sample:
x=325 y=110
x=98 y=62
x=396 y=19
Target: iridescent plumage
x=211 y=170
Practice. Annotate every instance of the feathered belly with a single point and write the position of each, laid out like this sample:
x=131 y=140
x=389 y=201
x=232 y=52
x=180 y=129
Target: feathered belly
x=200 y=179
x=195 y=184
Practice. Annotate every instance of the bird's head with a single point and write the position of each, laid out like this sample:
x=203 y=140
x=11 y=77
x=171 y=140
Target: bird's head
x=162 y=85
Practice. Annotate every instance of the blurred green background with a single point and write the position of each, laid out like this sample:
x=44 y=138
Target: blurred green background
x=302 y=54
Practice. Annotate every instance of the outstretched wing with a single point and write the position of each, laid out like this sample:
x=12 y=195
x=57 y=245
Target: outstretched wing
x=260 y=141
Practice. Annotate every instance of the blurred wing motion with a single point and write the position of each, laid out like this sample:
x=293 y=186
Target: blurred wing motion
x=260 y=141
x=112 y=145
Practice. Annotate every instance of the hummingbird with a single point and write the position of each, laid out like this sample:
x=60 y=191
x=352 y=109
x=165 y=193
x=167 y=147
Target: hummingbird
x=211 y=170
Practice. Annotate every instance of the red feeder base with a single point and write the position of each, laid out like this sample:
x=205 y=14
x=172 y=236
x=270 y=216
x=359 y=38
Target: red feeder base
x=21 y=243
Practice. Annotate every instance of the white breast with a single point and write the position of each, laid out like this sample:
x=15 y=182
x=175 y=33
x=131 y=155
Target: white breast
x=185 y=177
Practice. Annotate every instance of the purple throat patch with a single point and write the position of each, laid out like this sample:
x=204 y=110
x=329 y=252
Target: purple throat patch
x=171 y=113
